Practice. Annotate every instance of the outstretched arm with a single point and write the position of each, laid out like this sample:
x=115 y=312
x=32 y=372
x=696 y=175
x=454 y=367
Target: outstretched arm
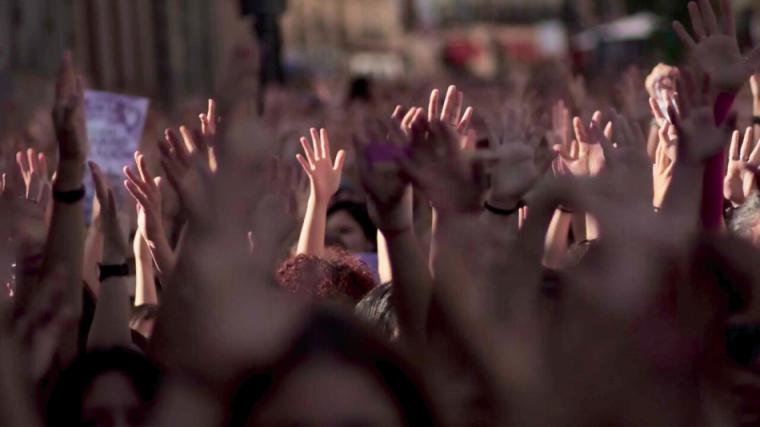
x=110 y=325
x=324 y=179
x=65 y=244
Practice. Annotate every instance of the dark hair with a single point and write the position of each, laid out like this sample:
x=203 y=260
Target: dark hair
x=360 y=89
x=377 y=308
x=337 y=275
x=332 y=334
x=65 y=404
x=357 y=211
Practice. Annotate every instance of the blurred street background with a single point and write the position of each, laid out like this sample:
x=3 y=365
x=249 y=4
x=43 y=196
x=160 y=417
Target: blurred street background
x=174 y=50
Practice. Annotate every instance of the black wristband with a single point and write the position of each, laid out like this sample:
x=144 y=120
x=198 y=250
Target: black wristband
x=502 y=212
x=69 y=197
x=756 y=120
x=116 y=270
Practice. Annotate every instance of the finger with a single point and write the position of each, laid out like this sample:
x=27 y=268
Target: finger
x=406 y=122
x=315 y=150
x=32 y=158
x=708 y=17
x=683 y=35
x=304 y=163
x=178 y=148
x=325 y=144
x=143 y=186
x=204 y=123
x=435 y=96
x=140 y=197
x=608 y=130
x=574 y=149
x=340 y=159
x=142 y=168
x=466 y=119
x=43 y=166
x=754 y=157
x=696 y=22
x=398 y=112
x=23 y=163
x=728 y=21
x=455 y=118
x=211 y=116
x=734 y=147
x=307 y=150
x=656 y=112
x=746 y=144
x=580 y=130
x=449 y=104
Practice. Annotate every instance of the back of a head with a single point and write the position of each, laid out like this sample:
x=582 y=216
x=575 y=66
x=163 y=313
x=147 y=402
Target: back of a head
x=334 y=336
x=337 y=275
x=377 y=308
x=65 y=404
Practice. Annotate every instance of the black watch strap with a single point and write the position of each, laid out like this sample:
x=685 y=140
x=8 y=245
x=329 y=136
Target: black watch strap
x=112 y=270
x=68 y=197
x=503 y=212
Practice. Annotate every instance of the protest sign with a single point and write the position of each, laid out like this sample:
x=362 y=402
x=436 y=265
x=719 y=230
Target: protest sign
x=114 y=129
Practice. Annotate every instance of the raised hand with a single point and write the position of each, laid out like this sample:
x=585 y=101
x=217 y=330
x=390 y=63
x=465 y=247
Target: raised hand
x=209 y=120
x=582 y=156
x=115 y=246
x=662 y=174
x=699 y=138
x=739 y=182
x=662 y=80
x=715 y=48
x=32 y=210
x=378 y=151
x=188 y=170
x=436 y=165
x=146 y=190
x=68 y=113
x=324 y=175
x=451 y=112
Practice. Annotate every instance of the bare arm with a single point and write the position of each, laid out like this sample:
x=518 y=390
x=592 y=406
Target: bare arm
x=324 y=179
x=390 y=204
x=145 y=286
x=556 y=239
x=110 y=325
x=65 y=243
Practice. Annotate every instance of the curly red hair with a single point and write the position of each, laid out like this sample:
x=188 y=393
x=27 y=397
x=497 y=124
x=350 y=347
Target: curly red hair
x=338 y=275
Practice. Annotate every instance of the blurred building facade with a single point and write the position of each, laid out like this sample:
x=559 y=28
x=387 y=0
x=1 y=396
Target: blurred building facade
x=167 y=49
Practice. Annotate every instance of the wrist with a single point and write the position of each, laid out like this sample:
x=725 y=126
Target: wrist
x=503 y=202
x=69 y=175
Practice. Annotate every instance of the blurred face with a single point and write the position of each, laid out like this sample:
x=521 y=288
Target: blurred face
x=112 y=400
x=342 y=226
x=325 y=392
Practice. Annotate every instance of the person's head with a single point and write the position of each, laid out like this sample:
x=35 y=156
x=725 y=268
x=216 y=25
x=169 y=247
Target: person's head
x=745 y=221
x=377 y=308
x=337 y=276
x=114 y=387
x=349 y=224
x=335 y=373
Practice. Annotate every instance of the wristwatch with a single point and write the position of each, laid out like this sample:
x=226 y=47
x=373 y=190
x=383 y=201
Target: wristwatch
x=112 y=270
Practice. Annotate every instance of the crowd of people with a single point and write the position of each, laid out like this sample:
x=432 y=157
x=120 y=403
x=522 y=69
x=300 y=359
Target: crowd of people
x=539 y=255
